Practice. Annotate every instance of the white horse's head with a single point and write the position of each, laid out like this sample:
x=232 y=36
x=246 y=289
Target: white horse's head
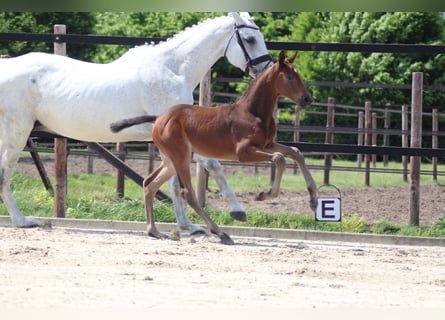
x=246 y=48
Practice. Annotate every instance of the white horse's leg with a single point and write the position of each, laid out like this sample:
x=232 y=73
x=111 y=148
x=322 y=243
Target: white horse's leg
x=215 y=170
x=17 y=218
x=180 y=204
x=12 y=141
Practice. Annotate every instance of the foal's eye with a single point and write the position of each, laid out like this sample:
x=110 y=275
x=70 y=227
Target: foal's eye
x=250 y=39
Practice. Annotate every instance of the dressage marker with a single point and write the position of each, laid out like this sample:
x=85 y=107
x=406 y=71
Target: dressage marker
x=79 y=100
x=244 y=131
x=328 y=207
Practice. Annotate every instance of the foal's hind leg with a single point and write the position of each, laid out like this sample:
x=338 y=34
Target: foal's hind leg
x=215 y=170
x=151 y=185
x=183 y=172
x=13 y=135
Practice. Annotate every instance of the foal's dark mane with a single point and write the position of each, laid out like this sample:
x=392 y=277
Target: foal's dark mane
x=253 y=85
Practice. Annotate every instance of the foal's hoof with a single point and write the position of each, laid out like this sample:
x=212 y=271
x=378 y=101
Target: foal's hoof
x=238 y=215
x=225 y=239
x=158 y=235
x=313 y=204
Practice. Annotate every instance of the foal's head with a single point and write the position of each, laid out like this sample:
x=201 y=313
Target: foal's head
x=289 y=83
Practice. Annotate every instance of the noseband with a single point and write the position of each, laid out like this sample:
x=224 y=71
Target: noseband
x=250 y=62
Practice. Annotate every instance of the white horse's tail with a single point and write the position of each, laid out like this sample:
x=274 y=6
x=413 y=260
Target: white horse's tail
x=120 y=125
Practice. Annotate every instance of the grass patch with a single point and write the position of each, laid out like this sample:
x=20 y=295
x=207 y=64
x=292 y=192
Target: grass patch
x=93 y=197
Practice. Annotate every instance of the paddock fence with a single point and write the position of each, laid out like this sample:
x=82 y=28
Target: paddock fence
x=367 y=132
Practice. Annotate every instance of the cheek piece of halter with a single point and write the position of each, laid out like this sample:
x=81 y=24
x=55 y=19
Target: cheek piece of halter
x=250 y=62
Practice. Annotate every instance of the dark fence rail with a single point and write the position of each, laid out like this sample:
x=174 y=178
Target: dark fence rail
x=271 y=45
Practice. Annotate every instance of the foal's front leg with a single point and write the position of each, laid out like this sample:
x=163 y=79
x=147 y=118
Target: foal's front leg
x=251 y=154
x=280 y=165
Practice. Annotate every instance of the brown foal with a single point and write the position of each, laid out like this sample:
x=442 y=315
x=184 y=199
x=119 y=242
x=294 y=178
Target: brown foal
x=243 y=131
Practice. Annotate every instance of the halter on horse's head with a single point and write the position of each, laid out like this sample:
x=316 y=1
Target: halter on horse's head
x=251 y=43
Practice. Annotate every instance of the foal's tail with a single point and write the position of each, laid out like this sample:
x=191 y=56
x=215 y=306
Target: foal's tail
x=120 y=125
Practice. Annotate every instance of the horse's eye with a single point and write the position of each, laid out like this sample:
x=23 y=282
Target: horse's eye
x=250 y=39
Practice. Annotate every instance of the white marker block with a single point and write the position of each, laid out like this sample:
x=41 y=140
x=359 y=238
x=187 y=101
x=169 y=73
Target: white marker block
x=328 y=209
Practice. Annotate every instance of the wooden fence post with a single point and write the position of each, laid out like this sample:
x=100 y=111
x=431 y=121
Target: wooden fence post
x=405 y=139
x=329 y=138
x=434 y=142
x=151 y=157
x=296 y=133
x=120 y=177
x=205 y=99
x=368 y=124
x=60 y=148
x=386 y=126
x=360 y=138
x=374 y=137
x=273 y=168
x=416 y=142
x=90 y=161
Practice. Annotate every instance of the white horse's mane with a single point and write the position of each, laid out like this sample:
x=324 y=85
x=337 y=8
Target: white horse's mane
x=187 y=30
x=180 y=33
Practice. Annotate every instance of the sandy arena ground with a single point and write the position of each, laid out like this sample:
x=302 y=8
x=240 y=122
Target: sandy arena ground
x=83 y=269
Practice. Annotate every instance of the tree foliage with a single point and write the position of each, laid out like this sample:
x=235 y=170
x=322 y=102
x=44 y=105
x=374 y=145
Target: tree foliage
x=43 y=22
x=386 y=68
x=373 y=68
x=141 y=24
x=331 y=27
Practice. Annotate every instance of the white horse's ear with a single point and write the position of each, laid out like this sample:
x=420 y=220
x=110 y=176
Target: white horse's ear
x=243 y=18
x=248 y=19
x=238 y=20
x=247 y=16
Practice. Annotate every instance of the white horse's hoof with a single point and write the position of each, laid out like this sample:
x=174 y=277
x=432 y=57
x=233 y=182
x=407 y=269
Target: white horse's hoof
x=198 y=232
x=32 y=223
x=238 y=215
x=193 y=229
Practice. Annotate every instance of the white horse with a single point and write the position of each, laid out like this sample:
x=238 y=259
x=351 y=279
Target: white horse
x=79 y=100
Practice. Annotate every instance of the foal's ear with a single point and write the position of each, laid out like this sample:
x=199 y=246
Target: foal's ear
x=291 y=59
x=281 y=58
